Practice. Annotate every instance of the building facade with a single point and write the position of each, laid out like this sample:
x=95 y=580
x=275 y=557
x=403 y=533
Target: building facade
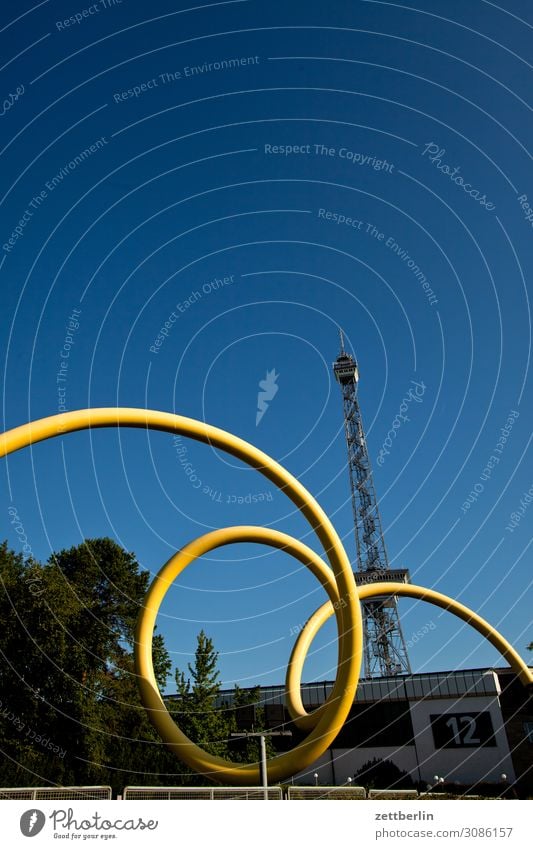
x=467 y=727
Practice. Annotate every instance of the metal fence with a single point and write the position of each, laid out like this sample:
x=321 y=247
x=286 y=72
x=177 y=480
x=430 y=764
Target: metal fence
x=56 y=793
x=392 y=794
x=222 y=793
x=201 y=793
x=456 y=796
x=17 y=793
x=326 y=793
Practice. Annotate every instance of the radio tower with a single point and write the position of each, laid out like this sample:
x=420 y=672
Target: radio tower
x=385 y=652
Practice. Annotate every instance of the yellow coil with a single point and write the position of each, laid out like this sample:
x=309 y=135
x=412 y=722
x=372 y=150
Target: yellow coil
x=337 y=579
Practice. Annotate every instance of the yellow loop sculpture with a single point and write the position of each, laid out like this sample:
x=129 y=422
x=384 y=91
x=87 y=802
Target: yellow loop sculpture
x=305 y=721
x=338 y=581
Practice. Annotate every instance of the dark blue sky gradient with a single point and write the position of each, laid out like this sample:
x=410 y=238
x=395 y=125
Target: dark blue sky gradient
x=180 y=192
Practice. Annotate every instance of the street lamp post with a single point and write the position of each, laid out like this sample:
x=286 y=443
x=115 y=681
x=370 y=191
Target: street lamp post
x=263 y=771
x=263 y=765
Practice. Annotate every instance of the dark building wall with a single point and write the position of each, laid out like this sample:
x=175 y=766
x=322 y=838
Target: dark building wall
x=517 y=709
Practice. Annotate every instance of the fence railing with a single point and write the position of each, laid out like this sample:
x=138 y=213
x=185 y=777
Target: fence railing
x=295 y=792
x=201 y=793
x=56 y=793
x=392 y=794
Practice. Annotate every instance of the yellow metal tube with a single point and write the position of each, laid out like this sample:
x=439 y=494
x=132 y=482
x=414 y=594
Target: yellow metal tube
x=306 y=721
x=283 y=765
x=349 y=612
x=323 y=724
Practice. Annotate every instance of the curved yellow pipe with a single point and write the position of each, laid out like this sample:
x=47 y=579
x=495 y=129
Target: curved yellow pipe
x=323 y=724
x=278 y=767
x=306 y=721
x=349 y=613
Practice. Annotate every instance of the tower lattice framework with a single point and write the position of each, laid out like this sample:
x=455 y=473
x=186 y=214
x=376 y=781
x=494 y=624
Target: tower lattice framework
x=385 y=652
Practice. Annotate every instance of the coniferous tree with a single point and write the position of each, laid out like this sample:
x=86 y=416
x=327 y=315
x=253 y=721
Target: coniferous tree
x=197 y=713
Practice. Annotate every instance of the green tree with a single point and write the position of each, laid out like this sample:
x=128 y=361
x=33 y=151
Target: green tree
x=33 y=650
x=109 y=587
x=383 y=775
x=207 y=721
x=196 y=710
x=70 y=711
x=66 y=671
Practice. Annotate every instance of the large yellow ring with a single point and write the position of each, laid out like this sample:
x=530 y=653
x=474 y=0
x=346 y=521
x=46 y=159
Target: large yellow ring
x=325 y=722
x=281 y=766
x=348 y=609
x=305 y=721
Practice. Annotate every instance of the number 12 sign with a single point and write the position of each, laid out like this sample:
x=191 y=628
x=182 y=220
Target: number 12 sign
x=462 y=730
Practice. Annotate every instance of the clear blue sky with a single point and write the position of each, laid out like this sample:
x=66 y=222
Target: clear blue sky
x=160 y=166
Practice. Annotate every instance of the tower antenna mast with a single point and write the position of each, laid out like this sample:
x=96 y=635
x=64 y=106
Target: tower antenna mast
x=385 y=652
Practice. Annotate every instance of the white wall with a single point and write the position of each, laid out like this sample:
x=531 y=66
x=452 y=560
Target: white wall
x=464 y=765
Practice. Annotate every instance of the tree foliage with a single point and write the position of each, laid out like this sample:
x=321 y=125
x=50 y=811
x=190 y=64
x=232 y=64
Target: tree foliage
x=383 y=775
x=70 y=712
x=196 y=710
x=206 y=719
